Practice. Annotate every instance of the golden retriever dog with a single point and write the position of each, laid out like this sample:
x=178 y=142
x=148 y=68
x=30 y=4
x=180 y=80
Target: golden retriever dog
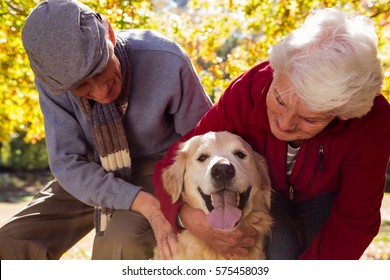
x=220 y=173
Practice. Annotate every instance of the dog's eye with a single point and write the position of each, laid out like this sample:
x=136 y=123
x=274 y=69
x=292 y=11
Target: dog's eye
x=239 y=154
x=202 y=157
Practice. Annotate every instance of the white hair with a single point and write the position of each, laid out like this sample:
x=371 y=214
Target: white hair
x=332 y=62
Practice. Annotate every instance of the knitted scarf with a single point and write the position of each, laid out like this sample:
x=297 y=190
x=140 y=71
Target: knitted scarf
x=107 y=125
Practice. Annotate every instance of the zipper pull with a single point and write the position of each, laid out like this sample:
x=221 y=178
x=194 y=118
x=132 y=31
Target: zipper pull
x=291 y=190
x=321 y=157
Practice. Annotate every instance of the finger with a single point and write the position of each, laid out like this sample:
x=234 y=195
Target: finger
x=241 y=251
x=237 y=234
x=248 y=242
x=234 y=252
x=169 y=246
x=167 y=251
x=254 y=220
x=164 y=249
x=173 y=245
x=250 y=231
x=229 y=256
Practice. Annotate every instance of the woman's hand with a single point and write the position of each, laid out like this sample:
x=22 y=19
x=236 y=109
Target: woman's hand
x=166 y=237
x=226 y=243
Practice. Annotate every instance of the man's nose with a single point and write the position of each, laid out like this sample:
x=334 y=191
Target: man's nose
x=99 y=90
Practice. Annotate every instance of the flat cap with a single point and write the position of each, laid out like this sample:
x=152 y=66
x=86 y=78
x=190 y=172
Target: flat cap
x=65 y=42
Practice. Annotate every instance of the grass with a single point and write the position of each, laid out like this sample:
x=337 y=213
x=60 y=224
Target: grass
x=379 y=248
x=16 y=193
x=17 y=185
x=82 y=250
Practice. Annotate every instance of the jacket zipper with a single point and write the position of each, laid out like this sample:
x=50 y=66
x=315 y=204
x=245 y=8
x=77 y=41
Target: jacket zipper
x=291 y=192
x=321 y=157
x=321 y=168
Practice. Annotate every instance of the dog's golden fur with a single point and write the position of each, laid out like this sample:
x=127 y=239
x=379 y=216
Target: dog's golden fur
x=196 y=172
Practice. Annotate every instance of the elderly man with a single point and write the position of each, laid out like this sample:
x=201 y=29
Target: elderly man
x=113 y=102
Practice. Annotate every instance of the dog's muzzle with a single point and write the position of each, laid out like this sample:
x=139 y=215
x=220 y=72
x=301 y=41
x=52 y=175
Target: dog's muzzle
x=225 y=206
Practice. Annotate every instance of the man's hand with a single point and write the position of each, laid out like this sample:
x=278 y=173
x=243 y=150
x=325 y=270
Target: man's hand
x=227 y=243
x=166 y=237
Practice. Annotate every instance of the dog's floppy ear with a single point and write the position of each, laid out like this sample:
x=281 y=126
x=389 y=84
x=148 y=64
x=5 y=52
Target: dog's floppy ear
x=262 y=167
x=173 y=176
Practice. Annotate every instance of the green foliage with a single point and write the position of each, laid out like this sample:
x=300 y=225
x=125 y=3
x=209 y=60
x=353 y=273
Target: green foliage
x=224 y=38
x=17 y=154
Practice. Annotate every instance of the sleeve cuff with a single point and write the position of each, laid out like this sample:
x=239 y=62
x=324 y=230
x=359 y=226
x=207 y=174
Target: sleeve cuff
x=179 y=222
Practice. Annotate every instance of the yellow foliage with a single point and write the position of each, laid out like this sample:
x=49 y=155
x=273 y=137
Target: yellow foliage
x=224 y=38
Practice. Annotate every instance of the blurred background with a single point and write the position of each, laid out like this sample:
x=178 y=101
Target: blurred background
x=223 y=38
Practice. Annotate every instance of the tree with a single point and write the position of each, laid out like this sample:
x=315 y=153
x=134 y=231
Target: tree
x=223 y=38
x=226 y=37
x=19 y=110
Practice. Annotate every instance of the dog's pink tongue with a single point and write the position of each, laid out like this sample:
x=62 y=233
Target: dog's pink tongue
x=225 y=214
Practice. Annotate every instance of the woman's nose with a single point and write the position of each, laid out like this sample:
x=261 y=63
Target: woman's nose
x=287 y=121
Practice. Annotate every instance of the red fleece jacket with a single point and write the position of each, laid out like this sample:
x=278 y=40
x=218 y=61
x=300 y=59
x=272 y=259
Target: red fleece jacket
x=353 y=162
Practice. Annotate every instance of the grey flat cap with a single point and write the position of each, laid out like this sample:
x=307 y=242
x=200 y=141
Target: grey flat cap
x=65 y=42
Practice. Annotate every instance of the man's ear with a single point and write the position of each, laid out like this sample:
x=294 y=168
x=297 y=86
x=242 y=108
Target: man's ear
x=109 y=31
x=111 y=34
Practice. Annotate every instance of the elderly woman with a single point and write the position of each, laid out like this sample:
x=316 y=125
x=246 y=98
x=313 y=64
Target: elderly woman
x=315 y=111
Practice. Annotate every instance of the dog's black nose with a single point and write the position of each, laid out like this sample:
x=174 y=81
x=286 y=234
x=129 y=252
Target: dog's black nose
x=222 y=171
